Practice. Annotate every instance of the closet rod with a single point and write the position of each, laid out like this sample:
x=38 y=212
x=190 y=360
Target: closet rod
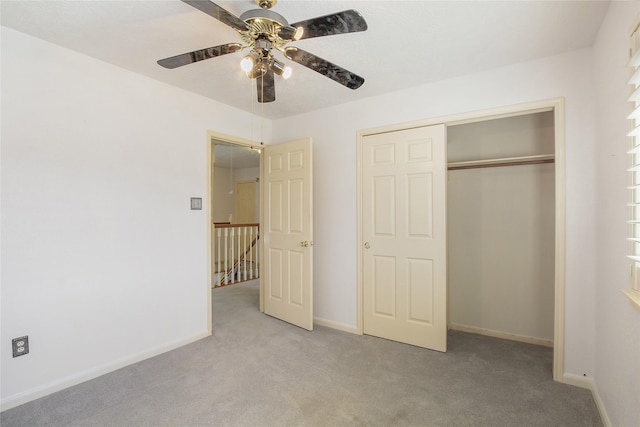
x=507 y=161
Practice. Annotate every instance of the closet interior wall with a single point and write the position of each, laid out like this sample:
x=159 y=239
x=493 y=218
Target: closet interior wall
x=501 y=229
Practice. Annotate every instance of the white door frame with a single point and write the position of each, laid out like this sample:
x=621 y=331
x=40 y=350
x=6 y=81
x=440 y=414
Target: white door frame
x=213 y=137
x=557 y=106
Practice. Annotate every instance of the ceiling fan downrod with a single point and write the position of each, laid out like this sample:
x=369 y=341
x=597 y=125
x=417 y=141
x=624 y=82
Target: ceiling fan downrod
x=266 y=4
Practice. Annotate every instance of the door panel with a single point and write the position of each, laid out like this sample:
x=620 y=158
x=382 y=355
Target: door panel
x=273 y=273
x=404 y=236
x=420 y=289
x=288 y=234
x=384 y=286
x=384 y=205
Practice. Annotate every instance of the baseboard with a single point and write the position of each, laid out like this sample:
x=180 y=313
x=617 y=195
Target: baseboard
x=335 y=325
x=578 y=381
x=589 y=384
x=502 y=335
x=46 y=389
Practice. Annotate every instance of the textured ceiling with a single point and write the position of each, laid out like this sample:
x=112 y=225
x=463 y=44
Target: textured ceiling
x=408 y=43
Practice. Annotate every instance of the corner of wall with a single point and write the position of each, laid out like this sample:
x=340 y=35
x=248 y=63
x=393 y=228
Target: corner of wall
x=589 y=384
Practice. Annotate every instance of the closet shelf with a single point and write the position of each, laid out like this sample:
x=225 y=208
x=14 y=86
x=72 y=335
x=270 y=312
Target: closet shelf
x=506 y=161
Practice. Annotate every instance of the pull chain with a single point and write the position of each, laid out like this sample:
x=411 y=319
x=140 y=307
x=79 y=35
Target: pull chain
x=262 y=112
x=251 y=93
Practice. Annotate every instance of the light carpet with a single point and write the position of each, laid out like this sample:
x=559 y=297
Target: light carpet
x=259 y=371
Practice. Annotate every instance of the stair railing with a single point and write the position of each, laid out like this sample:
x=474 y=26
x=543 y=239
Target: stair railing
x=235 y=254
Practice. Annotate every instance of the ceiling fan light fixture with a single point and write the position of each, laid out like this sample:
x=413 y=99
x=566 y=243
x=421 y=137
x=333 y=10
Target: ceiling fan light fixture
x=259 y=70
x=249 y=62
x=246 y=64
x=279 y=68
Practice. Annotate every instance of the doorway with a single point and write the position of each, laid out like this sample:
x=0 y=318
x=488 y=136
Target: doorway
x=234 y=195
x=234 y=209
x=283 y=203
x=555 y=107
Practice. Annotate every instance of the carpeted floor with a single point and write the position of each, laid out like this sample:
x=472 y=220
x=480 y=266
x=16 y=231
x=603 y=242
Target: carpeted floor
x=259 y=371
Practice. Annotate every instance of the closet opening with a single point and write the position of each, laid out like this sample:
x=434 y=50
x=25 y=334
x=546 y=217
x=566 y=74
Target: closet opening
x=503 y=172
x=501 y=215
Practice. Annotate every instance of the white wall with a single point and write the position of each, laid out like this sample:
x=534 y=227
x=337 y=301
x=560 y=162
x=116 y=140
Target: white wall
x=224 y=180
x=103 y=263
x=334 y=138
x=223 y=201
x=617 y=371
x=251 y=174
x=247 y=174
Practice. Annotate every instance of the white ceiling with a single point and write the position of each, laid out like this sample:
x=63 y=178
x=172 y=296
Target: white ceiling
x=408 y=43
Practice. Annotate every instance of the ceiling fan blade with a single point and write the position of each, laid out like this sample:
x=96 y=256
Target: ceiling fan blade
x=266 y=87
x=348 y=21
x=199 y=55
x=324 y=67
x=212 y=9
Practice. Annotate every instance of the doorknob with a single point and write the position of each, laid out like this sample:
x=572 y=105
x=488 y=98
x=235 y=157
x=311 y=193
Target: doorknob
x=306 y=244
x=367 y=245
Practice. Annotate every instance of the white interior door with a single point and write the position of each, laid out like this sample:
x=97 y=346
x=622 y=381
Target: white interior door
x=245 y=202
x=404 y=236
x=288 y=232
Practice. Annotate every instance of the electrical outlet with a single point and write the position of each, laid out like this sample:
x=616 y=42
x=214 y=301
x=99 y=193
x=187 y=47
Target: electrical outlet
x=20 y=346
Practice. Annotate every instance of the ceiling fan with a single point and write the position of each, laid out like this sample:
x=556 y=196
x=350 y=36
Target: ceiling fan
x=264 y=31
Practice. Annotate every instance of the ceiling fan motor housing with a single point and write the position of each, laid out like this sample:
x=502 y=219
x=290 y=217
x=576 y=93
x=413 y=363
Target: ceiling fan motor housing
x=264 y=16
x=264 y=25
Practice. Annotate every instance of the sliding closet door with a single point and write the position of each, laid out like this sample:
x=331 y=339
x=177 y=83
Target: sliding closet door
x=404 y=236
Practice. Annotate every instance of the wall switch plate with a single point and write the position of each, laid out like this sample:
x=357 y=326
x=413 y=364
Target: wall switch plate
x=20 y=346
x=196 y=203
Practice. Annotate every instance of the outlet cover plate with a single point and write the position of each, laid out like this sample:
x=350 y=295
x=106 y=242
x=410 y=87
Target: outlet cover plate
x=20 y=346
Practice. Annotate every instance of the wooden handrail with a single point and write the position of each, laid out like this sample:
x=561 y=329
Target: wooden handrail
x=227 y=225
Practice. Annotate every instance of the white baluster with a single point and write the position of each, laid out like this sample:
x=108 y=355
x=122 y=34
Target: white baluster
x=254 y=253
x=251 y=252
x=244 y=253
x=233 y=254
x=217 y=268
x=226 y=255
